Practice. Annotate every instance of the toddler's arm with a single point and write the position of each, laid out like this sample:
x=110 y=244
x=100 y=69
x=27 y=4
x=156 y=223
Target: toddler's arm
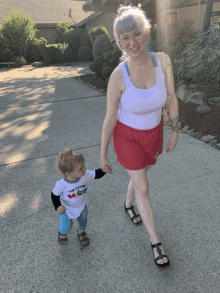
x=57 y=204
x=99 y=173
x=55 y=200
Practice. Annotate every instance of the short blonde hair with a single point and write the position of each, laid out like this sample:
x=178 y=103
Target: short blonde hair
x=129 y=18
x=68 y=161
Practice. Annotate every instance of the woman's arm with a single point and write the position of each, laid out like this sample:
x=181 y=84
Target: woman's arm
x=173 y=106
x=113 y=98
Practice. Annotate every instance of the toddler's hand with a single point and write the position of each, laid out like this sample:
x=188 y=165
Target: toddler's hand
x=61 y=210
x=106 y=166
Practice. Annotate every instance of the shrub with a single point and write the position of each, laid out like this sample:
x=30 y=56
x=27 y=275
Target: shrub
x=101 y=45
x=93 y=67
x=72 y=37
x=107 y=80
x=108 y=55
x=113 y=62
x=117 y=54
x=85 y=53
x=98 y=66
x=172 y=40
x=62 y=53
x=98 y=31
x=85 y=41
x=19 y=61
x=66 y=54
x=35 y=50
x=200 y=60
x=104 y=65
x=6 y=54
x=49 y=54
x=18 y=28
x=106 y=71
x=61 y=28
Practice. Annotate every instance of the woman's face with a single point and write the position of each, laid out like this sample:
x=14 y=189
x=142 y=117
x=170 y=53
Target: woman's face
x=133 y=42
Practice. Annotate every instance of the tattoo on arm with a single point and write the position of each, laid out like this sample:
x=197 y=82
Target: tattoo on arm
x=174 y=124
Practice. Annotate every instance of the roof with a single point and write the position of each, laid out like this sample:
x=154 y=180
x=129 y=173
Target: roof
x=181 y=3
x=47 y=11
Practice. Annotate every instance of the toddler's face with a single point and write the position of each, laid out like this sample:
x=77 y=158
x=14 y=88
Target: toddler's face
x=79 y=172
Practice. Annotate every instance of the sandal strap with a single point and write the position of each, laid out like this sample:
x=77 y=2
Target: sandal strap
x=156 y=245
x=86 y=238
x=131 y=208
x=158 y=248
x=135 y=216
x=82 y=234
x=160 y=257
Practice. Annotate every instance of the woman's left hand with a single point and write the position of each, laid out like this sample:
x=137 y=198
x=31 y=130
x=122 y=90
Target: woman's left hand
x=172 y=142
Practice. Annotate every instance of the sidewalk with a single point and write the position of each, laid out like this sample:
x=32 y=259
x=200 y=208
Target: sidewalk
x=43 y=111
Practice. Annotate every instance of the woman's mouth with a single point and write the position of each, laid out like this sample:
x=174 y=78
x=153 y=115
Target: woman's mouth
x=135 y=49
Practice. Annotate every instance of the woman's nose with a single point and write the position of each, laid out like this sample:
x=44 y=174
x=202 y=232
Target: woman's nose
x=132 y=40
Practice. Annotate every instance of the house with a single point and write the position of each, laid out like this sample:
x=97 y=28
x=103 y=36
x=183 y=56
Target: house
x=47 y=14
x=90 y=13
x=161 y=12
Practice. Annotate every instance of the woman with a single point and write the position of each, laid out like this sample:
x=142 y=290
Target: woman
x=135 y=96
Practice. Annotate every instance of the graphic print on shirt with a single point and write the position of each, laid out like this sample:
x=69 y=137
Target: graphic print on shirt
x=76 y=192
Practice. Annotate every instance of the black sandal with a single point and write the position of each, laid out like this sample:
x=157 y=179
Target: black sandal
x=135 y=214
x=161 y=256
x=62 y=241
x=84 y=239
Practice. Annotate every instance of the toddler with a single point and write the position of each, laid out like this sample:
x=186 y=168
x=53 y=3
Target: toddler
x=70 y=193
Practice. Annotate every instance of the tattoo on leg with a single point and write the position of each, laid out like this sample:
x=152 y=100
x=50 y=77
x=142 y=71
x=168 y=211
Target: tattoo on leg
x=174 y=124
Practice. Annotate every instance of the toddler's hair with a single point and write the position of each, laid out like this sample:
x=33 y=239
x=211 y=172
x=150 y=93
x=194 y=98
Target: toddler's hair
x=68 y=161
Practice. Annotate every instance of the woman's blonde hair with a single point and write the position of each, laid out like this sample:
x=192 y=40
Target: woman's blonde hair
x=129 y=18
x=68 y=161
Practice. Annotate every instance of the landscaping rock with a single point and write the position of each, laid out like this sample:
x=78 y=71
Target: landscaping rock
x=203 y=109
x=197 y=98
x=183 y=93
x=207 y=138
x=214 y=101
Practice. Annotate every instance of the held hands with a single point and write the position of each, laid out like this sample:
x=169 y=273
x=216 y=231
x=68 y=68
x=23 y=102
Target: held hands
x=106 y=166
x=172 y=142
x=61 y=210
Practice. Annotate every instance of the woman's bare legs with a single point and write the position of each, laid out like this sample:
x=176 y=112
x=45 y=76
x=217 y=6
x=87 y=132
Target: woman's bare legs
x=129 y=201
x=141 y=188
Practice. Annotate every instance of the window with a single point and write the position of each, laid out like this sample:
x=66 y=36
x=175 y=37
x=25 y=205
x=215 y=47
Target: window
x=171 y=17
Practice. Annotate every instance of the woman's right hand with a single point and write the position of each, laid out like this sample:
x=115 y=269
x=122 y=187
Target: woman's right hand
x=106 y=166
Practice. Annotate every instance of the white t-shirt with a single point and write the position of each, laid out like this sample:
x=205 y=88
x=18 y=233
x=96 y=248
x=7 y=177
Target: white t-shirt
x=73 y=194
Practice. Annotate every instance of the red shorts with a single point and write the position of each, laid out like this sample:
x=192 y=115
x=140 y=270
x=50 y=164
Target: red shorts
x=137 y=148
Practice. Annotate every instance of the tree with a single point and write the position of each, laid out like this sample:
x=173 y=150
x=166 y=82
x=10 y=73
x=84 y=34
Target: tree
x=207 y=17
x=61 y=28
x=19 y=29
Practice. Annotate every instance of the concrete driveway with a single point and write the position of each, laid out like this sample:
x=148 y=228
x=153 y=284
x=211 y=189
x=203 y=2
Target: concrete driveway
x=45 y=110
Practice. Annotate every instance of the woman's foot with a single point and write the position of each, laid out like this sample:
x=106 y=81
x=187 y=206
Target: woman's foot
x=162 y=261
x=131 y=214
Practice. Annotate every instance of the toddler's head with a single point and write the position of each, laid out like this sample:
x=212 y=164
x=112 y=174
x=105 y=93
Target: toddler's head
x=71 y=164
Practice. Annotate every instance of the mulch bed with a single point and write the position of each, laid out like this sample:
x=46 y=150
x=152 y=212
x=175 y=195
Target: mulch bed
x=206 y=124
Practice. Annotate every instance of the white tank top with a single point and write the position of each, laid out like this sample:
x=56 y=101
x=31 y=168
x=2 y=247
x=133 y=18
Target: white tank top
x=141 y=108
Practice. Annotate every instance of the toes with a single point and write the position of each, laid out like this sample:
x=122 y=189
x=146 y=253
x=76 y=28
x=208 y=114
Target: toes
x=165 y=260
